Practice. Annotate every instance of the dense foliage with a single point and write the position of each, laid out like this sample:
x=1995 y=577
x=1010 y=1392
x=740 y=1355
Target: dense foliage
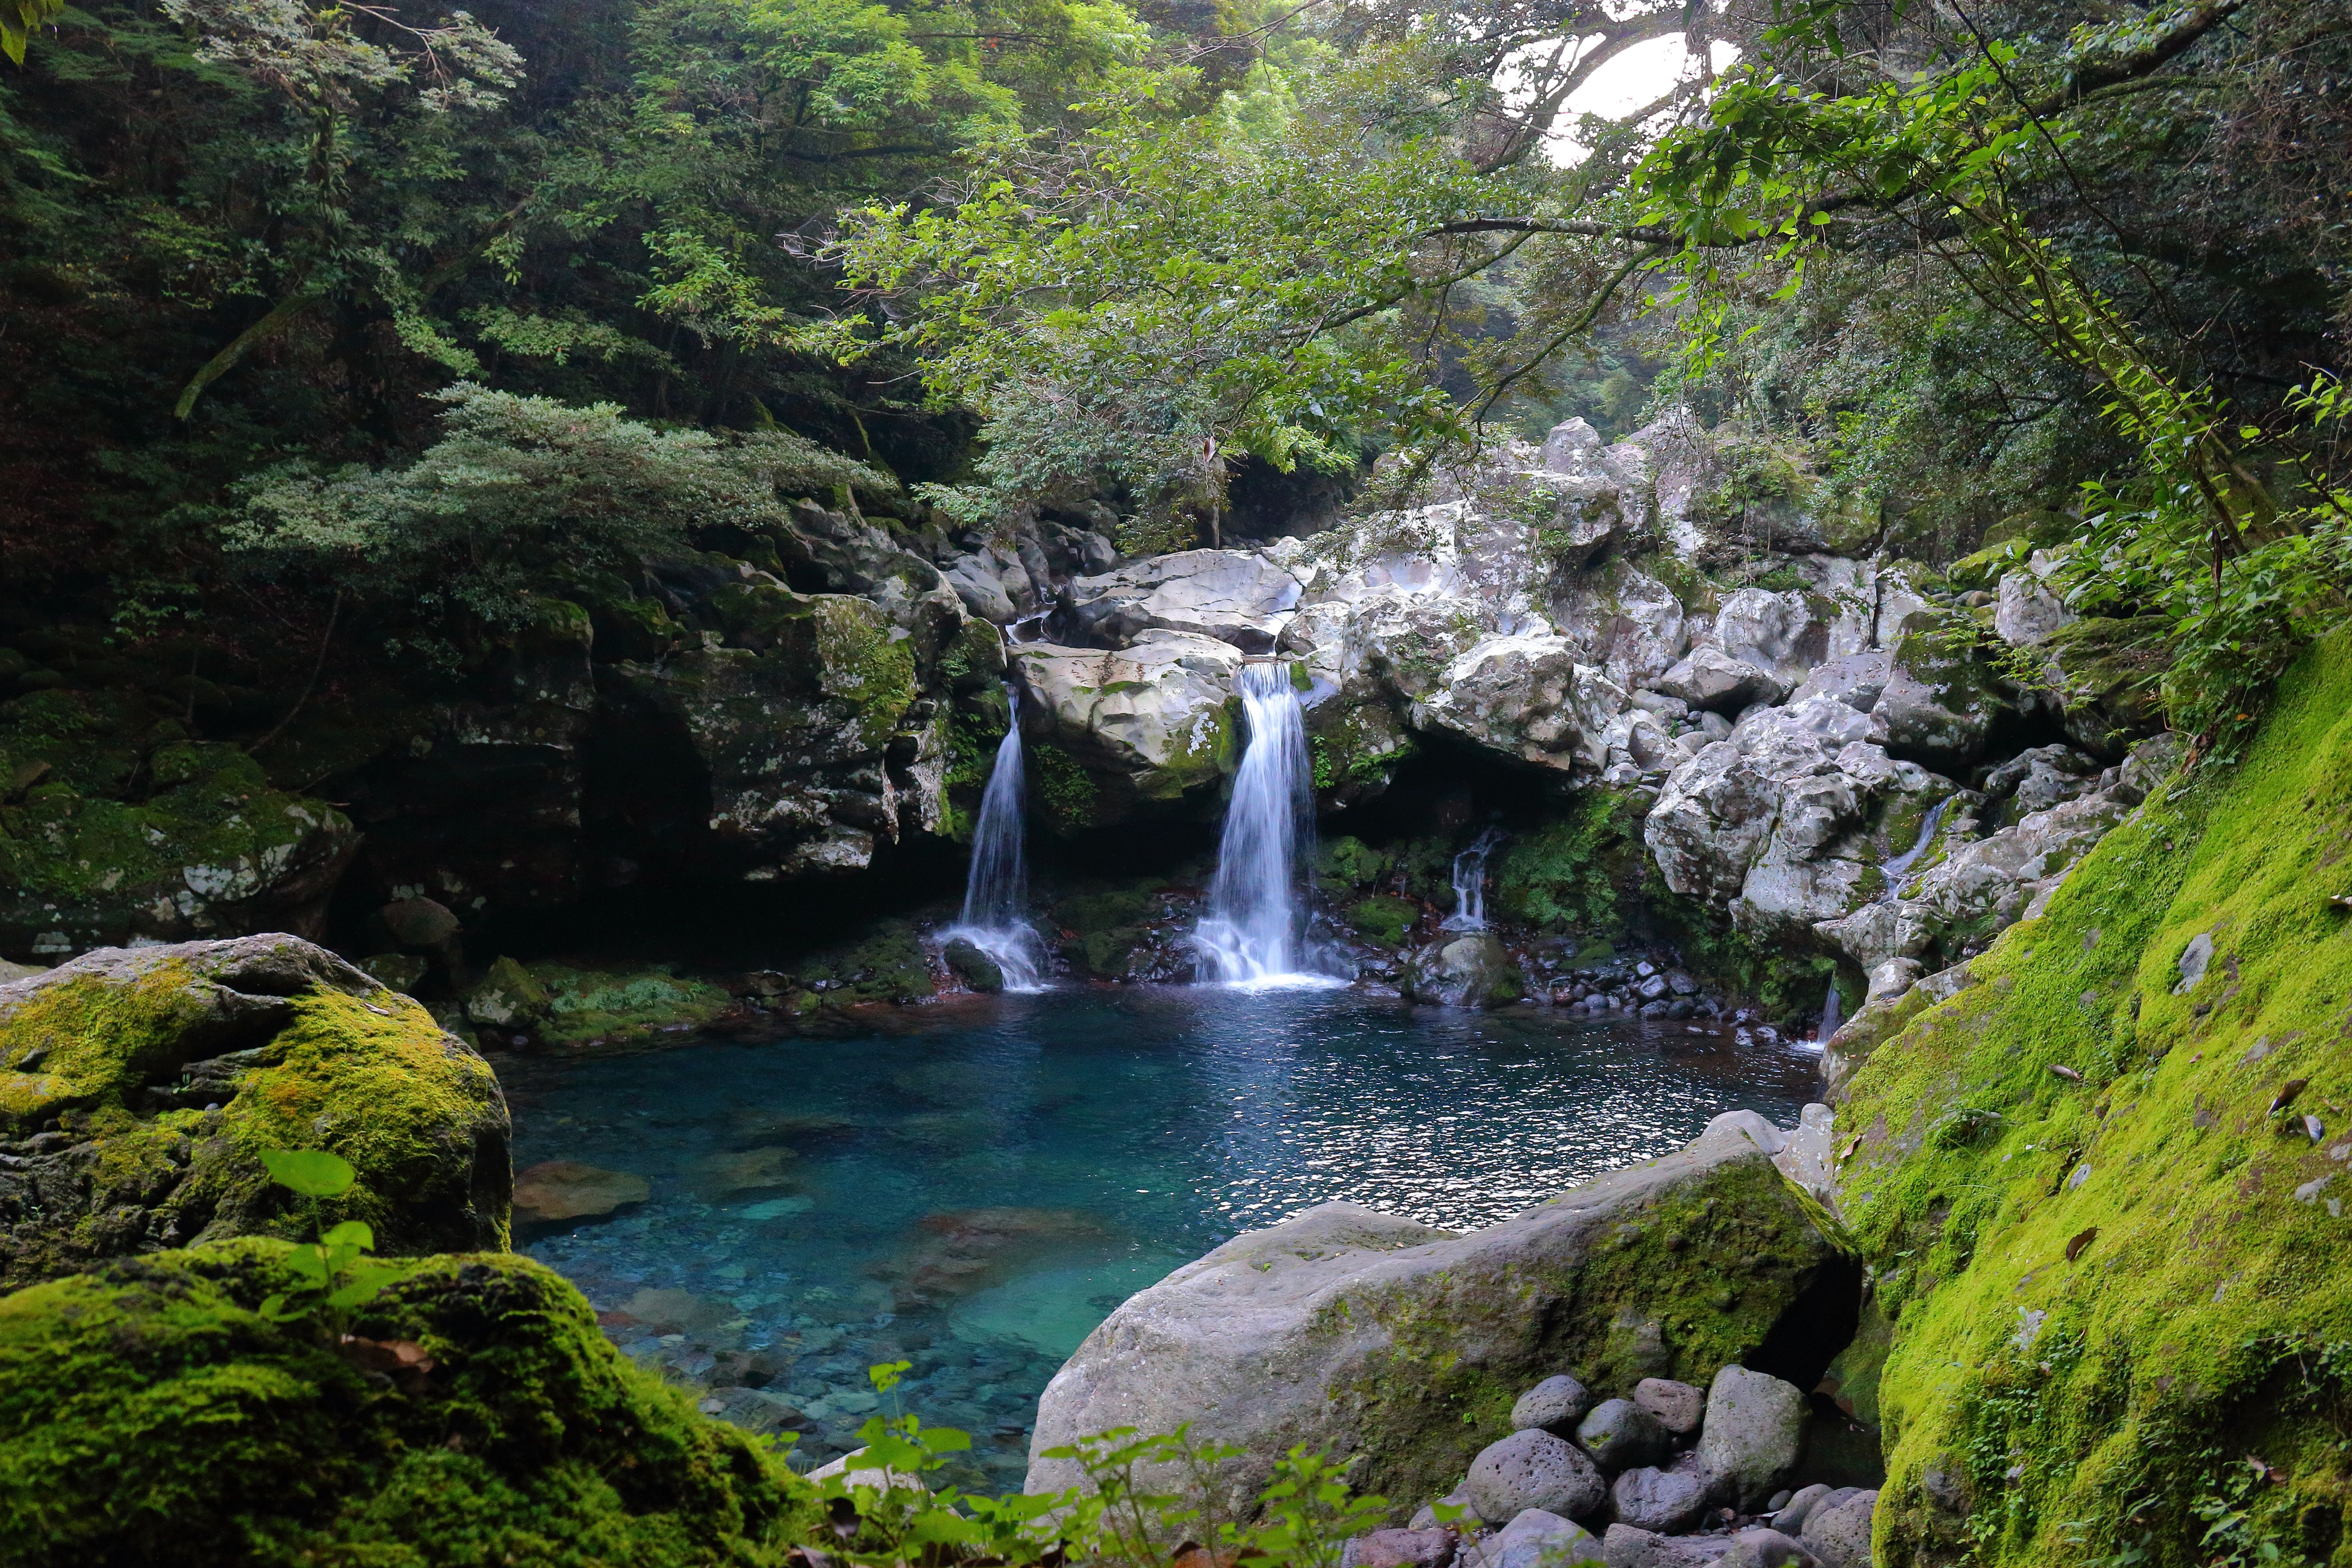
x=1967 y=261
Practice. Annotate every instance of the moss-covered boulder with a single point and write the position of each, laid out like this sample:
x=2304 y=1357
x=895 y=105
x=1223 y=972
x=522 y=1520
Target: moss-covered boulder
x=1403 y=1348
x=115 y=826
x=139 y=1086
x=2106 y=1187
x=474 y=1413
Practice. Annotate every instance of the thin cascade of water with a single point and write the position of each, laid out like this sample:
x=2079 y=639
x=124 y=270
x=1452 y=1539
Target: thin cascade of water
x=1470 y=884
x=1833 y=1009
x=1254 y=932
x=996 y=889
x=1899 y=866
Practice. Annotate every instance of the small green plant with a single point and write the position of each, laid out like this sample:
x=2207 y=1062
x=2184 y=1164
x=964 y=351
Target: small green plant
x=333 y=1273
x=1144 y=1499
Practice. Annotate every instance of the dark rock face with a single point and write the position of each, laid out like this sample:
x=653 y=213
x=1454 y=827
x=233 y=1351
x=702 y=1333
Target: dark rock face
x=137 y=1087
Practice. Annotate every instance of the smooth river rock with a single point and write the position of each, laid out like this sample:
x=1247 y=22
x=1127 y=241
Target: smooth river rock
x=1535 y=1538
x=1401 y=1348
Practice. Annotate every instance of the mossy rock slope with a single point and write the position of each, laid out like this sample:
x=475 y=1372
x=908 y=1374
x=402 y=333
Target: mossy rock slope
x=2105 y=1188
x=150 y=1415
x=138 y=1087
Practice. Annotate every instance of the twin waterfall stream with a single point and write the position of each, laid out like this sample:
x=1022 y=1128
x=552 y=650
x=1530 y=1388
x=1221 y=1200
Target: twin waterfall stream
x=1255 y=934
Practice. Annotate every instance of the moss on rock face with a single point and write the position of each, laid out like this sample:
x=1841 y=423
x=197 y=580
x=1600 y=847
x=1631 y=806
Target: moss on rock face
x=2110 y=1242
x=125 y=828
x=592 y=1006
x=137 y=1087
x=150 y=1415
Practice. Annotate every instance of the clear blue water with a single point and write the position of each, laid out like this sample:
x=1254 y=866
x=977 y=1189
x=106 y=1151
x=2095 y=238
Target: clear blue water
x=972 y=1186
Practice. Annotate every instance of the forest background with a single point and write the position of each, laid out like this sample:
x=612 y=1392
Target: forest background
x=321 y=315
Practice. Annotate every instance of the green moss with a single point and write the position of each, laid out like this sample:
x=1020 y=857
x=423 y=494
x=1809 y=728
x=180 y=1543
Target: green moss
x=150 y=1415
x=887 y=965
x=587 y=1006
x=1094 y=912
x=1565 y=876
x=1065 y=792
x=1347 y=862
x=135 y=831
x=1383 y=920
x=2102 y=1405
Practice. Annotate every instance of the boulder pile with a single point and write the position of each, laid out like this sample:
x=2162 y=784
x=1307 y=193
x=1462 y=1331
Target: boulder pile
x=1668 y=1475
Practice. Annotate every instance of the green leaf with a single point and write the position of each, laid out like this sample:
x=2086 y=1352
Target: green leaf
x=353 y=1234
x=313 y=1173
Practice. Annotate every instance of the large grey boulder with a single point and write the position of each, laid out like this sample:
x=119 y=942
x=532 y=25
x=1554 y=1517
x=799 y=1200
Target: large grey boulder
x=1403 y=1348
x=1528 y=698
x=1149 y=720
x=1778 y=633
x=1791 y=821
x=137 y=1085
x=1711 y=679
x=2027 y=611
x=1628 y=624
x=1670 y=1501
x=1237 y=596
x=1534 y=1470
x=1754 y=1434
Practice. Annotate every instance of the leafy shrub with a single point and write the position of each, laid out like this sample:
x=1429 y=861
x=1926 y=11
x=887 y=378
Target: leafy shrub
x=517 y=491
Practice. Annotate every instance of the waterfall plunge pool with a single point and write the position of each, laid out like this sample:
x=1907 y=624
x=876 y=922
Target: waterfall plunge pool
x=972 y=1186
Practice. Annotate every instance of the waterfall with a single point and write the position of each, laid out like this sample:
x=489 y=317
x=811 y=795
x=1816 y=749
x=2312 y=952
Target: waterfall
x=1254 y=932
x=996 y=889
x=1831 y=1008
x=1470 y=884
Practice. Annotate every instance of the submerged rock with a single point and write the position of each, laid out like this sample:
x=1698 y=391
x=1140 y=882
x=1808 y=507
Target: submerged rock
x=1342 y=1329
x=139 y=1086
x=556 y=1189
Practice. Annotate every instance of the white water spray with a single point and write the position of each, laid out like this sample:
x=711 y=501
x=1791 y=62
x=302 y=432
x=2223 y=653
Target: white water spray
x=996 y=889
x=1254 y=932
x=1470 y=884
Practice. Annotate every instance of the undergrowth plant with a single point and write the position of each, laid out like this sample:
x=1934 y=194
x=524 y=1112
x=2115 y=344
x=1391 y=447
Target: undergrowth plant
x=334 y=1272
x=1146 y=1501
